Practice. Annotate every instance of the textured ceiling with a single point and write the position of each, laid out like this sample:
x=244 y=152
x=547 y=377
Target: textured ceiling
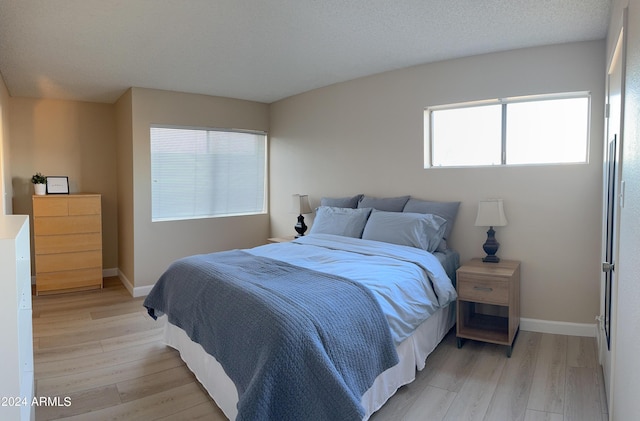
x=93 y=50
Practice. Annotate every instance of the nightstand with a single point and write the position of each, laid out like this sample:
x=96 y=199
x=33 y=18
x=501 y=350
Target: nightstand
x=280 y=239
x=488 y=307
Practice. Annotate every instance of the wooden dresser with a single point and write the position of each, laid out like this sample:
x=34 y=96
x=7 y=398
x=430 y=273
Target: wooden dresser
x=67 y=232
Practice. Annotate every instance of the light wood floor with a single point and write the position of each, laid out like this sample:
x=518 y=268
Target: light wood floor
x=102 y=351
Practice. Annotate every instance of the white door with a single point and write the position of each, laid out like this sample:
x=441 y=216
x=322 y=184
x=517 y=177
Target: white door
x=612 y=190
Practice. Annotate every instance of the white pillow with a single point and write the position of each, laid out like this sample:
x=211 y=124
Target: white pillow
x=340 y=221
x=418 y=230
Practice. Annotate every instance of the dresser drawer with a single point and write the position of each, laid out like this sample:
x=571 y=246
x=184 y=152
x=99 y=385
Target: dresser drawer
x=53 y=225
x=68 y=280
x=50 y=206
x=68 y=261
x=86 y=205
x=51 y=244
x=483 y=291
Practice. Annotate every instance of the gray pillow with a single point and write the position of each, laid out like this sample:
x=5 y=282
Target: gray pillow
x=341 y=202
x=446 y=210
x=340 y=221
x=423 y=231
x=389 y=204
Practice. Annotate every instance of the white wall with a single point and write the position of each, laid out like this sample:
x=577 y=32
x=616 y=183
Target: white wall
x=68 y=138
x=366 y=136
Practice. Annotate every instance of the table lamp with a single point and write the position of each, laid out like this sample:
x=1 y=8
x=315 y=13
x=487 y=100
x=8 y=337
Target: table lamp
x=491 y=214
x=300 y=205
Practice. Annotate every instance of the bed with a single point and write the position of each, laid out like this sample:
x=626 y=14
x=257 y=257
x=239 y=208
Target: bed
x=328 y=325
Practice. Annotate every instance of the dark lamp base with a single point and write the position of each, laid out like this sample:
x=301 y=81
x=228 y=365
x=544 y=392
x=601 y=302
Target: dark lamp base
x=491 y=259
x=300 y=227
x=491 y=247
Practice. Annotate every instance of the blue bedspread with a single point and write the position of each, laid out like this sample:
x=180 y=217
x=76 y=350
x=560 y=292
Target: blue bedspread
x=410 y=284
x=298 y=344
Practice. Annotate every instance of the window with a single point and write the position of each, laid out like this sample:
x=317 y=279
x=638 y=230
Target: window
x=202 y=173
x=544 y=129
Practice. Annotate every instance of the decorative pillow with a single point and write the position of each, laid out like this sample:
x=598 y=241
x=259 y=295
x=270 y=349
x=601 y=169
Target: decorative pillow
x=446 y=210
x=341 y=202
x=418 y=230
x=389 y=204
x=340 y=221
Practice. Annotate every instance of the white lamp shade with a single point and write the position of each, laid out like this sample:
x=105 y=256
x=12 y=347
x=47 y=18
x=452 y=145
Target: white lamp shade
x=300 y=204
x=491 y=213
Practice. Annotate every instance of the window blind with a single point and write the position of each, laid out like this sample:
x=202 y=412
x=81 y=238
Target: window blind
x=201 y=173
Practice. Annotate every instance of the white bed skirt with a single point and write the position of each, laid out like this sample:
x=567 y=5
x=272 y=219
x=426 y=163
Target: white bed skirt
x=412 y=352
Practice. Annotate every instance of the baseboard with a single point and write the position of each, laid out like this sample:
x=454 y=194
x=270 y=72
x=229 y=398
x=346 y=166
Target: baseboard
x=142 y=291
x=127 y=284
x=134 y=291
x=110 y=272
x=559 y=328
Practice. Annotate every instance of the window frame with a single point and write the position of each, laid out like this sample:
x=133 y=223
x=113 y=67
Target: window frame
x=428 y=141
x=213 y=129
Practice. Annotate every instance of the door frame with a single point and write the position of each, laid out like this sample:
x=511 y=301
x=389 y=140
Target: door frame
x=613 y=132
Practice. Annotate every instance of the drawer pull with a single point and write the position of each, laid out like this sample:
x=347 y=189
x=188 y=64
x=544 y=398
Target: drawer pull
x=486 y=289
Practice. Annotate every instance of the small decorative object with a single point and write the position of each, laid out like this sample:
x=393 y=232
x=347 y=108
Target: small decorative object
x=491 y=214
x=57 y=185
x=300 y=205
x=39 y=184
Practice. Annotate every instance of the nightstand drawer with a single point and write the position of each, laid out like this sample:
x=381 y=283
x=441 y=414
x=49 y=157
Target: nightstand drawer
x=485 y=291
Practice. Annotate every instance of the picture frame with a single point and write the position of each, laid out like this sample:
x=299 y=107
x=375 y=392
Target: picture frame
x=57 y=185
